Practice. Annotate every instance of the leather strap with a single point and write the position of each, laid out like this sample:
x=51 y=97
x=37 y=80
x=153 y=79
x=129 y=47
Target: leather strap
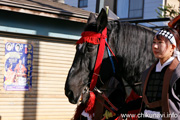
x=165 y=89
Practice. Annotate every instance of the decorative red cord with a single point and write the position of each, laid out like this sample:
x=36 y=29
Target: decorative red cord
x=99 y=59
x=90 y=37
x=96 y=38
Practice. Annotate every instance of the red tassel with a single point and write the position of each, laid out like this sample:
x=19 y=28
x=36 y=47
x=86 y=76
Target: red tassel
x=133 y=96
x=79 y=110
x=91 y=104
x=89 y=107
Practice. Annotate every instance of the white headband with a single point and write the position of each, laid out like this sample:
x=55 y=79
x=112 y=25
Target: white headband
x=171 y=38
x=168 y=35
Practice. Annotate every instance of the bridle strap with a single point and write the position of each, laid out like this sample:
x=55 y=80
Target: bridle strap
x=98 y=66
x=111 y=52
x=98 y=38
x=99 y=59
x=108 y=108
x=107 y=100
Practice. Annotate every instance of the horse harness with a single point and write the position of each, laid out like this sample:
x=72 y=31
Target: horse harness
x=101 y=39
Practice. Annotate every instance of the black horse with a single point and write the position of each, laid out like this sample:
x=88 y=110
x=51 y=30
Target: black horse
x=131 y=45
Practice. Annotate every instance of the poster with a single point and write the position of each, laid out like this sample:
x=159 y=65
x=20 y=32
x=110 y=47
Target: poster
x=18 y=66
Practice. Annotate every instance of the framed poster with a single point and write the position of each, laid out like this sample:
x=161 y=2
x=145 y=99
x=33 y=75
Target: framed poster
x=18 y=66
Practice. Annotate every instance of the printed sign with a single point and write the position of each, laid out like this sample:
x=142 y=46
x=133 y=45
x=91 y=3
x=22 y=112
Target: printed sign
x=18 y=66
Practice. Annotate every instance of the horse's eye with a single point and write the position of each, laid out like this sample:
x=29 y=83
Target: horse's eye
x=91 y=47
x=79 y=46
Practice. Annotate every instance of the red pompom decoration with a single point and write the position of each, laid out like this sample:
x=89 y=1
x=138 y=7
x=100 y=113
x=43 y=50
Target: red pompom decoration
x=91 y=104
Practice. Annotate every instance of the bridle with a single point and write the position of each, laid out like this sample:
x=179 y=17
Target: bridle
x=101 y=40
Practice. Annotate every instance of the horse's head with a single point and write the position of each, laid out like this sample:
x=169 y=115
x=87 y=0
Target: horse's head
x=80 y=74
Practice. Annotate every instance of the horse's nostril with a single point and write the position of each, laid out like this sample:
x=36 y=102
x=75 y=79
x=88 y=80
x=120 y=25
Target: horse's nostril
x=70 y=96
x=69 y=93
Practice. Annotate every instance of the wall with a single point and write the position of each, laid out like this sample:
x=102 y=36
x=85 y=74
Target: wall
x=53 y=54
x=174 y=3
x=36 y=25
x=71 y=2
x=110 y=4
x=122 y=8
x=46 y=100
x=91 y=4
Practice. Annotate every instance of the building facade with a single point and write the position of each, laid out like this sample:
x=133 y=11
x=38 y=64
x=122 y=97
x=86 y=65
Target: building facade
x=93 y=5
x=46 y=32
x=128 y=9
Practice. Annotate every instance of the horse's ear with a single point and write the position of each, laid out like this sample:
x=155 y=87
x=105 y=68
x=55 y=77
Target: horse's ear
x=102 y=20
x=91 y=19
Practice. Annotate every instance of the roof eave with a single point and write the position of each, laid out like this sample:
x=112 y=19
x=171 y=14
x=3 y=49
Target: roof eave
x=44 y=13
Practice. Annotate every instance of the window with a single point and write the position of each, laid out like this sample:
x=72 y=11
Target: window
x=130 y=8
x=136 y=8
x=82 y=3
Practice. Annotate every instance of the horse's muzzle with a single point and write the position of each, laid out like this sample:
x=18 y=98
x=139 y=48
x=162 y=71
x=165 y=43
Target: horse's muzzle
x=70 y=96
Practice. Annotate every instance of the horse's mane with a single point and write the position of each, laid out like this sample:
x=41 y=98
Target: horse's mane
x=132 y=48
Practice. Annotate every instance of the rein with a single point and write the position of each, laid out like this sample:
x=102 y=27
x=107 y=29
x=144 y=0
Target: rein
x=101 y=40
